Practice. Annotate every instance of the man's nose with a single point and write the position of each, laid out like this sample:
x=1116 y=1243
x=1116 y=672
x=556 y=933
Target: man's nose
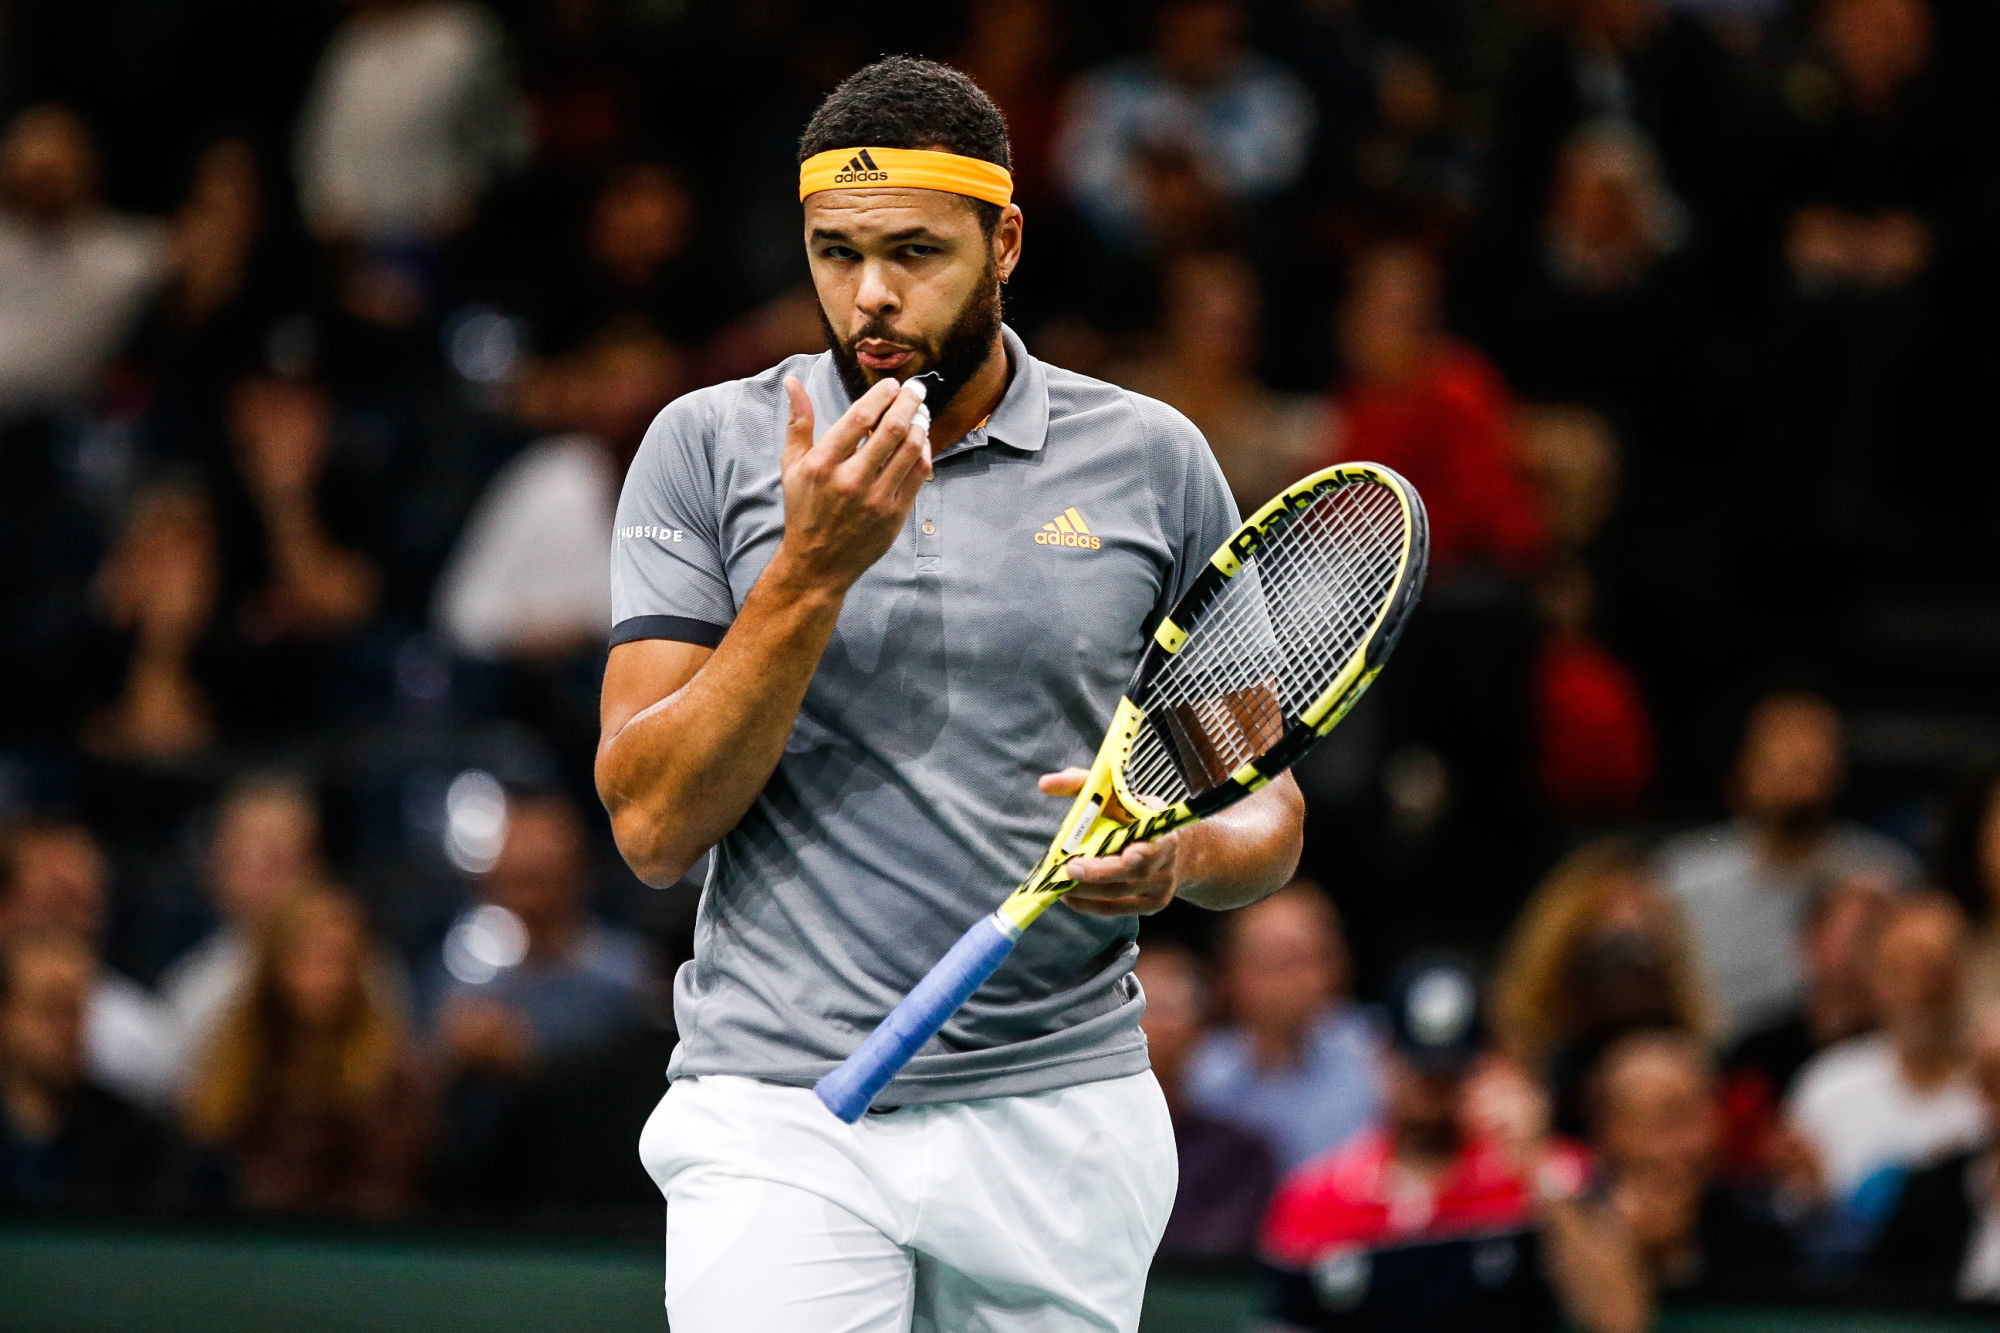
x=875 y=295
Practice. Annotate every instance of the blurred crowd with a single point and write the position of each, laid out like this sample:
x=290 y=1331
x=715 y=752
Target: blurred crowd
x=327 y=331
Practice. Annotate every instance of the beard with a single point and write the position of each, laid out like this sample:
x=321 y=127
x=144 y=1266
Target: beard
x=961 y=351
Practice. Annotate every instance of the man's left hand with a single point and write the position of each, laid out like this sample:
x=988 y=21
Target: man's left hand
x=1139 y=881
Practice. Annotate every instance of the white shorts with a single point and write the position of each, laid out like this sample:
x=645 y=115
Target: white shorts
x=1036 y=1212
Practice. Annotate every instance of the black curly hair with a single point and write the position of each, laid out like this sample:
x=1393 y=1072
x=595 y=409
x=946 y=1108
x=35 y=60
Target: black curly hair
x=905 y=102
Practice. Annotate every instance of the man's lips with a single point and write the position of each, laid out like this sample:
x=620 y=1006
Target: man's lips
x=878 y=355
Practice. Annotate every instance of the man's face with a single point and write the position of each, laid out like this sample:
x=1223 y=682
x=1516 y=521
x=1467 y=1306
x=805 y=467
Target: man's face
x=542 y=875
x=908 y=283
x=59 y=878
x=1790 y=767
x=1918 y=968
x=265 y=846
x=1660 y=1113
x=1284 y=964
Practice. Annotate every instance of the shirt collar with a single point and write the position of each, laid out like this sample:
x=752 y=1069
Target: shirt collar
x=1019 y=421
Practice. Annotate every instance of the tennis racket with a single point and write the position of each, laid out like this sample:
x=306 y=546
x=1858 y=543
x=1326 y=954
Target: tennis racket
x=1275 y=640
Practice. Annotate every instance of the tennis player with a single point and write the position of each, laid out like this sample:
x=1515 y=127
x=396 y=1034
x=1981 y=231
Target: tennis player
x=866 y=623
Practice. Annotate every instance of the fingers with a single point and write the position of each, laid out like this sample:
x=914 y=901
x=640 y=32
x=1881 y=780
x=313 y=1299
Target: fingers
x=799 y=423
x=892 y=431
x=1140 y=861
x=1134 y=904
x=909 y=467
x=1066 y=783
x=846 y=434
x=1138 y=881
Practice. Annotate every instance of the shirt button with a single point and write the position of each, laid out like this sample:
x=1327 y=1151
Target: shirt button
x=930 y=528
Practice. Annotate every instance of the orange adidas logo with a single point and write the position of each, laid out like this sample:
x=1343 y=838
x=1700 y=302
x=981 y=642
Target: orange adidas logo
x=1069 y=529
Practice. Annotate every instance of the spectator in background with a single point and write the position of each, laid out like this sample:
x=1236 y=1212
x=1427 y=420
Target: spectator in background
x=1969 y=867
x=1944 y=1236
x=53 y=878
x=311 y=1088
x=302 y=521
x=1013 y=50
x=1602 y=307
x=1200 y=95
x=1457 y=1210
x=1835 y=944
x=1206 y=366
x=1872 y=148
x=575 y=981
x=1571 y=457
x=410 y=116
x=1634 y=62
x=1227 y=1174
x=530 y=576
x=642 y=258
x=1872 y=1107
x=1595 y=753
x=1433 y=409
x=156 y=661
x=1598 y=951
x=239 y=267
x=1656 y=1126
x=531 y=980
x=264 y=848
x=65 y=1141
x=74 y=276
x=1745 y=885
x=1297 y=1063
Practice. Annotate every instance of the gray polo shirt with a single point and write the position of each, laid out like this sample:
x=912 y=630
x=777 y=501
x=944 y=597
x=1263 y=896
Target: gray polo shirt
x=986 y=648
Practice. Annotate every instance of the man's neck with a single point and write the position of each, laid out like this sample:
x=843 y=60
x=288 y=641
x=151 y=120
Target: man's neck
x=974 y=402
x=1929 y=1058
x=1273 y=1049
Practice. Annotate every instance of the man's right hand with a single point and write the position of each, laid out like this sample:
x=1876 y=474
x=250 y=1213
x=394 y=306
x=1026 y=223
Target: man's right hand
x=846 y=496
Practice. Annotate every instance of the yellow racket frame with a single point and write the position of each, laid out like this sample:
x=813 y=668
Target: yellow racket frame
x=1107 y=816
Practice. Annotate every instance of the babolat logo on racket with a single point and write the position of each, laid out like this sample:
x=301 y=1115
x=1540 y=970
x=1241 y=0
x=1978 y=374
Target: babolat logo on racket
x=860 y=167
x=1069 y=529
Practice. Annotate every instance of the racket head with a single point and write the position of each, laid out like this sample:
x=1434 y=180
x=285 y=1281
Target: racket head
x=1270 y=646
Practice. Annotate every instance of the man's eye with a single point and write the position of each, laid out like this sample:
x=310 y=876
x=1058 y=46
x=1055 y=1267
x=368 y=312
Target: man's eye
x=840 y=253
x=920 y=251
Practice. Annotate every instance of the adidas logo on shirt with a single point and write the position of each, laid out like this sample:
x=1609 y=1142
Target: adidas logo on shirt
x=1069 y=529
x=860 y=167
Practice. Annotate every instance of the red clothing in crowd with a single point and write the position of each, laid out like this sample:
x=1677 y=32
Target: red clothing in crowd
x=1446 y=430
x=1594 y=740
x=1350 y=1199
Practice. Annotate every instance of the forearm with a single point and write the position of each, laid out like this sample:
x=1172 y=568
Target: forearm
x=1246 y=852
x=681 y=773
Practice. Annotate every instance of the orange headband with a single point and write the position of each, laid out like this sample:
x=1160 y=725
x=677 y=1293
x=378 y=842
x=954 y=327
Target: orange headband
x=917 y=168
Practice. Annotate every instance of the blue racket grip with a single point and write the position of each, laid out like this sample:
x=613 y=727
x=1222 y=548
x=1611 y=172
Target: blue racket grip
x=849 y=1090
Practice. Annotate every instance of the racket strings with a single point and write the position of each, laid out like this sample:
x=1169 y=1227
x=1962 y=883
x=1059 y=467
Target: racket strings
x=1273 y=641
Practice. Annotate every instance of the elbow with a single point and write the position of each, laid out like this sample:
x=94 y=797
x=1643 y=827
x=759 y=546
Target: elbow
x=645 y=840
x=648 y=847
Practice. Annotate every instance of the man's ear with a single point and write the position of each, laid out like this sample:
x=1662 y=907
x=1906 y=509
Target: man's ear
x=1007 y=240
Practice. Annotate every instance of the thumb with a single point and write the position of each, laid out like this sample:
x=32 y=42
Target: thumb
x=799 y=422
x=1066 y=783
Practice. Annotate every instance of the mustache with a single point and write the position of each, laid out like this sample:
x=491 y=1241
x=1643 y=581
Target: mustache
x=880 y=331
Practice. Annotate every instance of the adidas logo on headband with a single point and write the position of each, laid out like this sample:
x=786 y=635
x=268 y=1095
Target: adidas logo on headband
x=860 y=167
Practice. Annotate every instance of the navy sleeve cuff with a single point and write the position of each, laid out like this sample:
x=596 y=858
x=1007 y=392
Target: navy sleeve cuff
x=678 y=628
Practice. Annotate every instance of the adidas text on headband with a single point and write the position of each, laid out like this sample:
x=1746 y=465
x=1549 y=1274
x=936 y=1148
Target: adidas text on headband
x=915 y=168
